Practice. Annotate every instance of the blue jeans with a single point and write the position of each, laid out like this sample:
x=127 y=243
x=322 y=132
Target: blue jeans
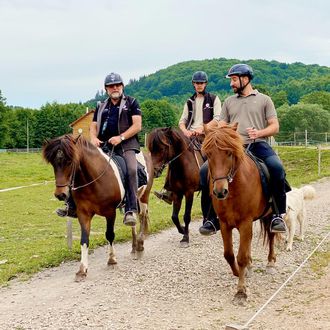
x=131 y=179
x=264 y=151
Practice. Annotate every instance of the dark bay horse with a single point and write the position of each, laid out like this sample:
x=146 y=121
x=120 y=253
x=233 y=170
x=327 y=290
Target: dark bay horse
x=237 y=198
x=168 y=146
x=96 y=188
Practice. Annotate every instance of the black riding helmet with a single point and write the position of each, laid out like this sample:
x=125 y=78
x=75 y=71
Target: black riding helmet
x=199 y=76
x=113 y=79
x=240 y=69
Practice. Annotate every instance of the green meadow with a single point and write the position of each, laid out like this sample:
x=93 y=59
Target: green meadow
x=33 y=237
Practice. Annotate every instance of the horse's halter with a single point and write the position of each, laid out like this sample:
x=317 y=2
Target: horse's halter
x=162 y=167
x=230 y=176
x=73 y=174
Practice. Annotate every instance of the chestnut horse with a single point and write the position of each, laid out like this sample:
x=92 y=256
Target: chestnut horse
x=238 y=199
x=96 y=188
x=168 y=146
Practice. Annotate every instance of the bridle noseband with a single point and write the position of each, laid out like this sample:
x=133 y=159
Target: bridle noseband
x=73 y=174
x=230 y=176
x=162 y=167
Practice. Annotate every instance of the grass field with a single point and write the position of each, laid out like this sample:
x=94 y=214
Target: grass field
x=32 y=237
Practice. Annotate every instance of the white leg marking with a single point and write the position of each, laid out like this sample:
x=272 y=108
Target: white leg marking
x=84 y=256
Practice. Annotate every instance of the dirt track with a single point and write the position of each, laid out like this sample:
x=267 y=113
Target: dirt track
x=175 y=288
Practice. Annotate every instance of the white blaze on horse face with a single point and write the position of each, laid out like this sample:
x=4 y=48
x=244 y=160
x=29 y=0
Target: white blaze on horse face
x=84 y=256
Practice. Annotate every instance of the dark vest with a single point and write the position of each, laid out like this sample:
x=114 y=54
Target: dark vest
x=207 y=108
x=124 y=121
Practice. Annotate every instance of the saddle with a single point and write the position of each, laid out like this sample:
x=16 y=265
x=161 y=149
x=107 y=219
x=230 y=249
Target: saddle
x=265 y=178
x=197 y=146
x=121 y=165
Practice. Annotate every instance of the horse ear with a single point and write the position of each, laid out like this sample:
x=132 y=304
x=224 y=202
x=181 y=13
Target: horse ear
x=234 y=126
x=76 y=139
x=208 y=127
x=46 y=141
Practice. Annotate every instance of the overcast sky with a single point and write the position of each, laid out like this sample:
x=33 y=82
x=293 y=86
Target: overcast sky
x=61 y=50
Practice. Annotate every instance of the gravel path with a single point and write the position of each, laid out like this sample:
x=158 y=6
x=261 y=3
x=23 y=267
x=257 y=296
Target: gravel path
x=179 y=288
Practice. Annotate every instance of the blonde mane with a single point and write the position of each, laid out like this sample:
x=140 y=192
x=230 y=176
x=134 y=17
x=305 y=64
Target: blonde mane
x=224 y=138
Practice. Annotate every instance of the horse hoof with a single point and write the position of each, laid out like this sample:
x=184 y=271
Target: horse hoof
x=112 y=262
x=270 y=270
x=80 y=277
x=240 y=298
x=184 y=244
x=140 y=246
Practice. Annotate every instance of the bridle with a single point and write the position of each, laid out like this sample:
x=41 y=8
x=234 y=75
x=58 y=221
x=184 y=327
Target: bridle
x=162 y=167
x=73 y=174
x=230 y=176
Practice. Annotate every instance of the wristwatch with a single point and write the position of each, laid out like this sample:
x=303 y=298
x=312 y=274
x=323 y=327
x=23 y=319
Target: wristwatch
x=122 y=137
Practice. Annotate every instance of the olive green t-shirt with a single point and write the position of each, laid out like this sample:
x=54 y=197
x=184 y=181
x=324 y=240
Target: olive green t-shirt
x=249 y=111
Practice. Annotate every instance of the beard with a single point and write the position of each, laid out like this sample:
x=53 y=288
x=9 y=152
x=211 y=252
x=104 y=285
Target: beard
x=115 y=95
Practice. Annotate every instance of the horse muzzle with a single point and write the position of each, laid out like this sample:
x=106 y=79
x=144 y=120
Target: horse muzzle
x=61 y=196
x=222 y=194
x=61 y=192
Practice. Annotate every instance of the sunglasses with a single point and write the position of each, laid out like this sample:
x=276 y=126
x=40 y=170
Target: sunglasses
x=114 y=85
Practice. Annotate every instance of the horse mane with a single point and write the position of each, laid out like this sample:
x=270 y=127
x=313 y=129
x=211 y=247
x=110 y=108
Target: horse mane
x=64 y=150
x=224 y=138
x=166 y=136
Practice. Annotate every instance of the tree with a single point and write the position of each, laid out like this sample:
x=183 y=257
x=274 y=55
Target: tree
x=280 y=98
x=3 y=120
x=157 y=113
x=322 y=98
x=301 y=117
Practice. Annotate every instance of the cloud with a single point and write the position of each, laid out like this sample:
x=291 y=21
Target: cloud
x=62 y=49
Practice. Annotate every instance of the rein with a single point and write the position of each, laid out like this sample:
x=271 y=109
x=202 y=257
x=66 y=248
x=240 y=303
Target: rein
x=161 y=169
x=73 y=174
x=230 y=176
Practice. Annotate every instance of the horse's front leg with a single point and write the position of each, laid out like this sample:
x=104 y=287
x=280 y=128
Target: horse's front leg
x=177 y=201
x=243 y=259
x=110 y=236
x=226 y=233
x=85 y=224
x=187 y=218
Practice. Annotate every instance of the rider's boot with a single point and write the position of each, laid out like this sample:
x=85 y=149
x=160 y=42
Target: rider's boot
x=70 y=209
x=164 y=195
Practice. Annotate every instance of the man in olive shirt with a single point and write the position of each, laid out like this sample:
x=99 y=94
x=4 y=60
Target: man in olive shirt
x=257 y=121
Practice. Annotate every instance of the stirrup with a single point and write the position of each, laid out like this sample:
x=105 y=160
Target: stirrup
x=277 y=224
x=166 y=197
x=130 y=219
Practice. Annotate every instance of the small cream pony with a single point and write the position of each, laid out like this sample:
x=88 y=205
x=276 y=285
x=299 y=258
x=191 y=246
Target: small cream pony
x=296 y=212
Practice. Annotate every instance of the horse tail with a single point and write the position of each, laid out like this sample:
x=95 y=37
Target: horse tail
x=265 y=230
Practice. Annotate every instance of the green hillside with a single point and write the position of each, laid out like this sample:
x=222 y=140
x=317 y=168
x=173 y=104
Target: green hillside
x=272 y=77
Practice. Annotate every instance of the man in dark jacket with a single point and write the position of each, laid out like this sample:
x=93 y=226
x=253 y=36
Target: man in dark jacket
x=117 y=121
x=200 y=109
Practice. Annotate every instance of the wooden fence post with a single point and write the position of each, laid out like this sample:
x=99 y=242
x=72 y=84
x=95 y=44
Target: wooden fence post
x=319 y=160
x=69 y=232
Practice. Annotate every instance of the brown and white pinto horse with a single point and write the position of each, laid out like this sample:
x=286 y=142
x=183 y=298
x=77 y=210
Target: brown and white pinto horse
x=96 y=188
x=237 y=198
x=169 y=147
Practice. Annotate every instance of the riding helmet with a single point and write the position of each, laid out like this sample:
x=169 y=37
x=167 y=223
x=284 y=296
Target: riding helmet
x=240 y=69
x=199 y=76
x=113 y=79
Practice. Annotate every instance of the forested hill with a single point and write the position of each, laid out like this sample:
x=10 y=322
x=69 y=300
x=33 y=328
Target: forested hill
x=291 y=81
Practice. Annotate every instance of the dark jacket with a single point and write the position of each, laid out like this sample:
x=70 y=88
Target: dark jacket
x=207 y=108
x=124 y=121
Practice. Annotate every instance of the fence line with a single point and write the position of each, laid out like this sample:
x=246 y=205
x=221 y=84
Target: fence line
x=320 y=149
